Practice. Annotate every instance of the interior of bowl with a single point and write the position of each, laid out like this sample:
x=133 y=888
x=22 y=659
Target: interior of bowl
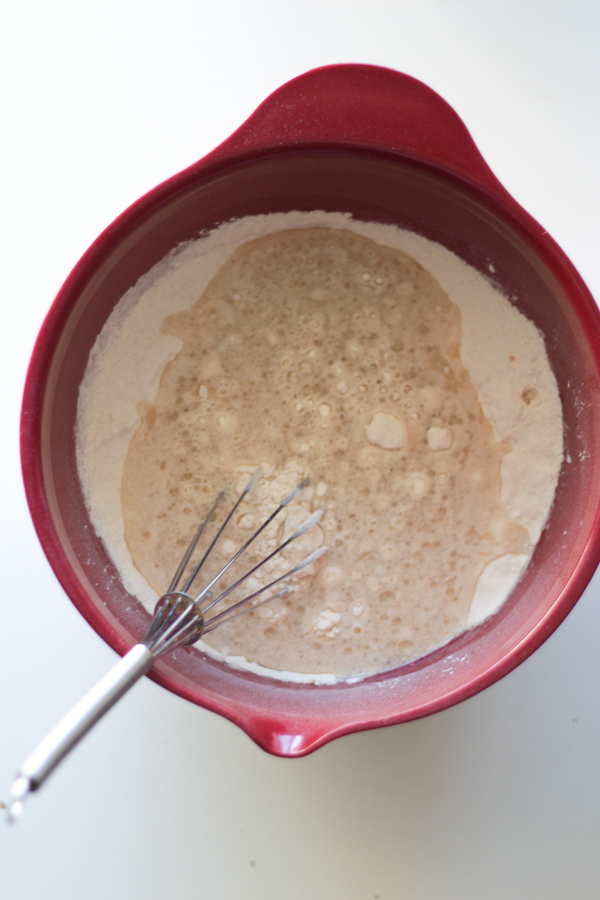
x=285 y=718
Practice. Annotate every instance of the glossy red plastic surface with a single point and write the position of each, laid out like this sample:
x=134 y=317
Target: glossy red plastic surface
x=386 y=148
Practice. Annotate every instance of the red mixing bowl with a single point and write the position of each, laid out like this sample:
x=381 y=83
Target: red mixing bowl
x=385 y=148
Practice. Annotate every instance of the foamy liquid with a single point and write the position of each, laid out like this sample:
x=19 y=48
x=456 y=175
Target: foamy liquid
x=319 y=352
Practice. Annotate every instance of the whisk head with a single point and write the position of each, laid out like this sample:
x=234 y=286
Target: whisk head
x=180 y=618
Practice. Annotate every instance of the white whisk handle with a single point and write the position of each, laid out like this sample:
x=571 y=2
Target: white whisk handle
x=77 y=723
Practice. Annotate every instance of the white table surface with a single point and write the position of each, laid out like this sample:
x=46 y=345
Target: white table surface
x=496 y=798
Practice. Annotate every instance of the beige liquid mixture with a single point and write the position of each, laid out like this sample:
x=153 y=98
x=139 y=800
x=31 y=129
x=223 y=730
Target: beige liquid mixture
x=318 y=352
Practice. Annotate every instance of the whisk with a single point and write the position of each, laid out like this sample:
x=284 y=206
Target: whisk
x=180 y=619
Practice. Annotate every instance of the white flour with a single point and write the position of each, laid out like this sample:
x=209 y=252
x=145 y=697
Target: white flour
x=127 y=361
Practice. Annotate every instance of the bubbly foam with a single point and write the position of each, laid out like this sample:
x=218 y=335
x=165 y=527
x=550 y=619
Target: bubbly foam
x=318 y=352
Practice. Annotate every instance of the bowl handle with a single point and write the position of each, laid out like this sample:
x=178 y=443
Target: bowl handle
x=362 y=106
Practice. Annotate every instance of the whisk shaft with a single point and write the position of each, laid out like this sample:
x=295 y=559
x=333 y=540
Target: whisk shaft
x=76 y=724
x=179 y=620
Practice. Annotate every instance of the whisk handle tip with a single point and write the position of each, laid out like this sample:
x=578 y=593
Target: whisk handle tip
x=19 y=791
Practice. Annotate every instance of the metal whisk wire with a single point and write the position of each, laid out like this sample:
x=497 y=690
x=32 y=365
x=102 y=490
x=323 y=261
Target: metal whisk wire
x=179 y=620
